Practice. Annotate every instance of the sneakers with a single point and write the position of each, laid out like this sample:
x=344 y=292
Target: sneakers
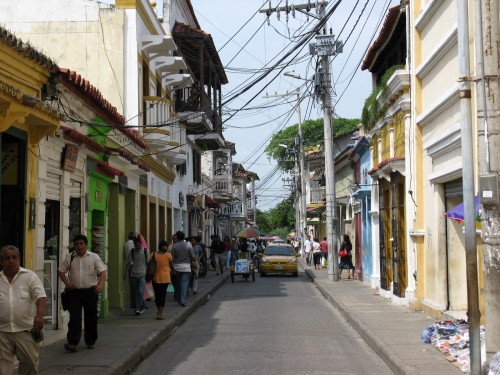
x=70 y=348
x=139 y=312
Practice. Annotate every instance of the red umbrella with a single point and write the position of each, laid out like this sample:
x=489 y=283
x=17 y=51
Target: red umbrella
x=248 y=232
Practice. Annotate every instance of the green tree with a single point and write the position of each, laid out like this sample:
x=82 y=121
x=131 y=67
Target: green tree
x=313 y=134
x=263 y=221
x=277 y=221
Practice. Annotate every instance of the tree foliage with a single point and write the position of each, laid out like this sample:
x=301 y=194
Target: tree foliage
x=313 y=134
x=263 y=221
x=277 y=221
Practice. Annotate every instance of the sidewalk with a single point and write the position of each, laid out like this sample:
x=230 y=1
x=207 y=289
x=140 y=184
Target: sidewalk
x=392 y=331
x=124 y=339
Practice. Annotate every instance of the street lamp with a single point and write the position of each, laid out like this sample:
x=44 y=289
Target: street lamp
x=292 y=74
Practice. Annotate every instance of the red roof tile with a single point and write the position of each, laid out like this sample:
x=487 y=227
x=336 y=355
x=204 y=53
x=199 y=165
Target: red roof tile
x=385 y=32
x=95 y=98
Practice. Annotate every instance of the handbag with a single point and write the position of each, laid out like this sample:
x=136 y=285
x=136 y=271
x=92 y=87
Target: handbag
x=65 y=299
x=65 y=293
x=151 y=269
x=343 y=253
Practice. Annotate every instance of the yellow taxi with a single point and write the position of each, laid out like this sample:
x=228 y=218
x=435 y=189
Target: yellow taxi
x=279 y=258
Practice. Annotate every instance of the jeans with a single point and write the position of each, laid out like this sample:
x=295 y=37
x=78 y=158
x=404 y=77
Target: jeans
x=220 y=259
x=228 y=259
x=138 y=284
x=181 y=287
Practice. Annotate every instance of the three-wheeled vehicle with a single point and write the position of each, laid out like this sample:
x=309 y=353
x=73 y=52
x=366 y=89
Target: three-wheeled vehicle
x=243 y=267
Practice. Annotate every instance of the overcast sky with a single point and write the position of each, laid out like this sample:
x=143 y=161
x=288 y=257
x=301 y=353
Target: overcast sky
x=245 y=52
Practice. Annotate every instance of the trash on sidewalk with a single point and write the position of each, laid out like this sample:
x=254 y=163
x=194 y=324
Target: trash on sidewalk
x=452 y=339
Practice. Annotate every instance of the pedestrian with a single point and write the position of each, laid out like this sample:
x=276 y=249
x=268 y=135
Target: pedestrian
x=22 y=304
x=316 y=253
x=227 y=245
x=162 y=276
x=129 y=245
x=86 y=275
x=346 y=260
x=203 y=259
x=244 y=253
x=195 y=266
x=220 y=254
x=307 y=249
x=135 y=269
x=174 y=240
x=235 y=249
x=324 y=252
x=182 y=255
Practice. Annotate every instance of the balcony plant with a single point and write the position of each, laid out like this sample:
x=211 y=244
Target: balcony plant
x=375 y=104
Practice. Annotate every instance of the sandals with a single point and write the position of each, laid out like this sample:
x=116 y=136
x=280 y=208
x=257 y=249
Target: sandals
x=159 y=317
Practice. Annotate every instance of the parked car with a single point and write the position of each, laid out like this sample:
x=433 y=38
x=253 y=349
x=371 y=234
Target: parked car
x=279 y=258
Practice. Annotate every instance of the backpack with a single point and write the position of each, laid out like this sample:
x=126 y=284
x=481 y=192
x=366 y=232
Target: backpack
x=219 y=247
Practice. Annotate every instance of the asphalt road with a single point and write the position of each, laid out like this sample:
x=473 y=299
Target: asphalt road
x=275 y=325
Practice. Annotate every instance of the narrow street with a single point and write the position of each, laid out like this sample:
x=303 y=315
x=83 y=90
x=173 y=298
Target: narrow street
x=276 y=325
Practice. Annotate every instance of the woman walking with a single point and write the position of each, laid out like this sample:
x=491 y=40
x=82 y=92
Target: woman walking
x=316 y=249
x=346 y=260
x=162 y=278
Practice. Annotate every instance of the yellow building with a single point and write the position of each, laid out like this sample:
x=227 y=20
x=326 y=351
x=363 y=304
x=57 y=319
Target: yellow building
x=386 y=116
x=439 y=243
x=27 y=81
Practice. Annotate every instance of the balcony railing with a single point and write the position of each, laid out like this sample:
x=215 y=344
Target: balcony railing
x=157 y=112
x=238 y=211
x=223 y=186
x=317 y=195
x=195 y=108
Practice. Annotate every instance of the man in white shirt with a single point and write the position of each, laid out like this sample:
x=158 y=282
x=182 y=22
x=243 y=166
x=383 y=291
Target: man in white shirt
x=22 y=291
x=307 y=249
x=86 y=276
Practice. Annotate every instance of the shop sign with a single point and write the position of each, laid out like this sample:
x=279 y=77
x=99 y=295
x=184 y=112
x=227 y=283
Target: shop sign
x=70 y=158
x=99 y=195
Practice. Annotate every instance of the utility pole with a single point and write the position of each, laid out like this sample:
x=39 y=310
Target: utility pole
x=487 y=92
x=326 y=46
x=468 y=187
x=302 y=175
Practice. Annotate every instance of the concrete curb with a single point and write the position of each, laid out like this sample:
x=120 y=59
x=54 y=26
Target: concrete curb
x=141 y=352
x=379 y=346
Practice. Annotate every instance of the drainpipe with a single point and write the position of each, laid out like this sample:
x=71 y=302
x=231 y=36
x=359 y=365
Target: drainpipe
x=468 y=187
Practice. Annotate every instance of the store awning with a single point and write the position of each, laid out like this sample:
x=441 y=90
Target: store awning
x=313 y=221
